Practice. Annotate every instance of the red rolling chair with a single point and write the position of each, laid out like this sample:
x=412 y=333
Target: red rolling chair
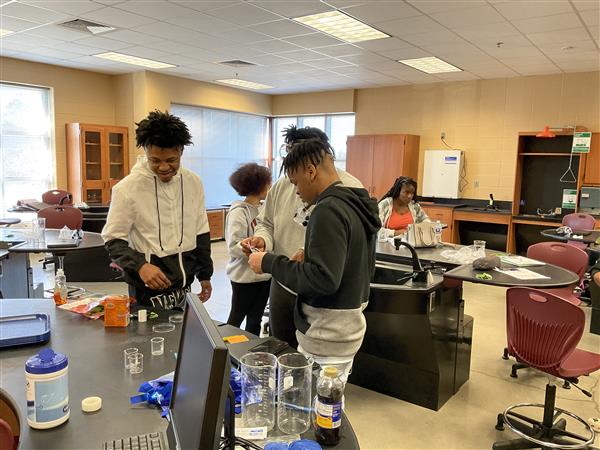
x=59 y=216
x=577 y=221
x=543 y=332
x=57 y=197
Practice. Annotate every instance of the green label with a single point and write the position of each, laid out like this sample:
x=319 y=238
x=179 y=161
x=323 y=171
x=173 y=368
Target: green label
x=569 y=198
x=581 y=142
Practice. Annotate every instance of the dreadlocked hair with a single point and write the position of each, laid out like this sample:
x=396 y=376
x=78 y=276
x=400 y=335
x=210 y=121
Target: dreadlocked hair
x=293 y=134
x=306 y=151
x=162 y=130
x=394 y=191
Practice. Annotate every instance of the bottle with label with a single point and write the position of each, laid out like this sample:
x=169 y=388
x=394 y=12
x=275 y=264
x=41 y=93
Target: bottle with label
x=60 y=287
x=330 y=392
x=438 y=232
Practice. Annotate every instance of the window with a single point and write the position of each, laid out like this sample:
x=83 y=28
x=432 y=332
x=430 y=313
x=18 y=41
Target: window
x=222 y=141
x=337 y=126
x=26 y=156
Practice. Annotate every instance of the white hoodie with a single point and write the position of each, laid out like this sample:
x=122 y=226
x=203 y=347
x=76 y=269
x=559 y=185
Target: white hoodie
x=147 y=212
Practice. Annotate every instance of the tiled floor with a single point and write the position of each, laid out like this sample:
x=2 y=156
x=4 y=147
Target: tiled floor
x=467 y=420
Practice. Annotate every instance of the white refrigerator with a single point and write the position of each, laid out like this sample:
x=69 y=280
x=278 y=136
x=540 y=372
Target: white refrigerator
x=442 y=173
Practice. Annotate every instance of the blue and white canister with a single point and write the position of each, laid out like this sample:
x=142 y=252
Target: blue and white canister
x=47 y=380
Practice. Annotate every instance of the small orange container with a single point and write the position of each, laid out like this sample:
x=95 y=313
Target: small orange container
x=116 y=311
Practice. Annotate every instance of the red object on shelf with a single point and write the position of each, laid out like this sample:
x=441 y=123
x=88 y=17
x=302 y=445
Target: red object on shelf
x=546 y=133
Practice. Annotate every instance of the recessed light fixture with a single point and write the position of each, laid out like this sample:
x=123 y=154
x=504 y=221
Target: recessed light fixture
x=430 y=64
x=244 y=83
x=341 y=26
x=4 y=32
x=135 y=60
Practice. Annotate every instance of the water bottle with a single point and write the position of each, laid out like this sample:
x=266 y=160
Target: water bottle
x=60 y=287
x=328 y=408
x=438 y=232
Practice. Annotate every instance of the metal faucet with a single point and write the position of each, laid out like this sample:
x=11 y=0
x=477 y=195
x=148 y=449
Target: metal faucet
x=419 y=275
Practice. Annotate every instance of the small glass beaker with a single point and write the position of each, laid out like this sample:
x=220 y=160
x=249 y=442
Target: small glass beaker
x=258 y=390
x=479 y=247
x=136 y=363
x=126 y=353
x=294 y=384
x=157 y=346
x=38 y=231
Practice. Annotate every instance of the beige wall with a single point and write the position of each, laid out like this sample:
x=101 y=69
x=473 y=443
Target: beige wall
x=79 y=96
x=313 y=103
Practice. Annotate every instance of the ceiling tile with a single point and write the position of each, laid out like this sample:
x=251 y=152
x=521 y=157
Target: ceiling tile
x=117 y=18
x=132 y=37
x=276 y=46
x=524 y=9
x=157 y=9
x=56 y=32
x=242 y=35
x=205 y=5
x=237 y=52
x=374 y=12
x=13 y=24
x=70 y=7
x=457 y=76
x=340 y=50
x=537 y=69
x=202 y=22
x=329 y=63
x=243 y=14
x=380 y=45
x=30 y=56
x=179 y=60
x=561 y=36
x=548 y=23
x=293 y=67
x=406 y=53
x=269 y=60
x=282 y=28
x=434 y=6
x=175 y=47
x=103 y=43
x=31 y=13
x=55 y=53
x=313 y=40
x=143 y=52
x=301 y=55
x=412 y=25
x=30 y=39
x=531 y=60
x=169 y=31
x=578 y=47
x=10 y=46
x=429 y=39
x=468 y=16
x=76 y=48
x=292 y=8
x=500 y=72
x=507 y=51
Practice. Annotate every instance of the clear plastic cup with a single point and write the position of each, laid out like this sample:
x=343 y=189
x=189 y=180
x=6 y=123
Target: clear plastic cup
x=258 y=390
x=479 y=246
x=136 y=363
x=38 y=230
x=126 y=353
x=157 y=346
x=294 y=383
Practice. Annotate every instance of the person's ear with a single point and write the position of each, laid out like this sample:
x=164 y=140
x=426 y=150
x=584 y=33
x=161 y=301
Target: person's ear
x=311 y=171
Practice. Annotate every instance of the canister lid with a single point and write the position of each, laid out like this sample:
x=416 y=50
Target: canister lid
x=46 y=361
x=305 y=444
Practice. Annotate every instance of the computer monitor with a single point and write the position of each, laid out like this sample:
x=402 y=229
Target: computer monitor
x=201 y=382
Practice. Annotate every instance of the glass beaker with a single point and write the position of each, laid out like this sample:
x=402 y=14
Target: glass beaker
x=479 y=247
x=258 y=390
x=38 y=231
x=294 y=384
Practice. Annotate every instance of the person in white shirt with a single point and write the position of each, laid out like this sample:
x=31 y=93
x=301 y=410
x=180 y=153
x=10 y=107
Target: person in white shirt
x=250 y=291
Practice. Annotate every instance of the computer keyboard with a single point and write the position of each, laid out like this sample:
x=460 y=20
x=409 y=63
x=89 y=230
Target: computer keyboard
x=150 y=441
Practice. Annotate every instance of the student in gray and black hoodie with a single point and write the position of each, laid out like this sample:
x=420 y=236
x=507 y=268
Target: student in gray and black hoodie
x=339 y=258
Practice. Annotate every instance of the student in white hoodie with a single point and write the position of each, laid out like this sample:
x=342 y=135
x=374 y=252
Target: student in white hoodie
x=157 y=227
x=250 y=291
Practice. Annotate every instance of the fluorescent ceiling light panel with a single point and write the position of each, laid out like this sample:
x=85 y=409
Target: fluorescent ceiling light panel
x=135 y=60
x=4 y=32
x=430 y=65
x=244 y=83
x=341 y=26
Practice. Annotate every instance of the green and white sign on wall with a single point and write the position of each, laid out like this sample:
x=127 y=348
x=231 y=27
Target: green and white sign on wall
x=581 y=142
x=569 y=198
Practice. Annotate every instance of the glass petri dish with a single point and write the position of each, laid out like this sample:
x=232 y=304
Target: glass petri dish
x=163 y=327
x=176 y=318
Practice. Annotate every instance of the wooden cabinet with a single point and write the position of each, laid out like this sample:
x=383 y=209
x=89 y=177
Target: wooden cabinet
x=444 y=215
x=591 y=174
x=216 y=223
x=377 y=160
x=98 y=158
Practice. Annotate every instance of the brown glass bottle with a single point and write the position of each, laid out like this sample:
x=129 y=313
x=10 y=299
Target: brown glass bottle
x=330 y=390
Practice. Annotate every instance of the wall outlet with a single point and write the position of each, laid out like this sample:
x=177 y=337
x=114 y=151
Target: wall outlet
x=443 y=135
x=476 y=183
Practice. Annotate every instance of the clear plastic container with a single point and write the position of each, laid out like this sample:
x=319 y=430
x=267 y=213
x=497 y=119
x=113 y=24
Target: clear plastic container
x=294 y=393
x=438 y=232
x=60 y=287
x=258 y=390
x=328 y=408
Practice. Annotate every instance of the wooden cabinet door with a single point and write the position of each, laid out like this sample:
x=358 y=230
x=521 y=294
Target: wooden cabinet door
x=592 y=163
x=444 y=215
x=93 y=167
x=359 y=159
x=117 y=158
x=388 y=154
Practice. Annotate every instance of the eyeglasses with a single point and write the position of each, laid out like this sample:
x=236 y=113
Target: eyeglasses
x=540 y=212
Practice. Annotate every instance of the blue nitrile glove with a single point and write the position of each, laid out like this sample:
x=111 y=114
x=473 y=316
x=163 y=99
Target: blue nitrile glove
x=235 y=383
x=156 y=392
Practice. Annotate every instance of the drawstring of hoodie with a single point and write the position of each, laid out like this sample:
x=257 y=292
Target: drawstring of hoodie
x=179 y=255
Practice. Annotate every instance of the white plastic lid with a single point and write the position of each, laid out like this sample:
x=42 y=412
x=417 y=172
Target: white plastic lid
x=91 y=404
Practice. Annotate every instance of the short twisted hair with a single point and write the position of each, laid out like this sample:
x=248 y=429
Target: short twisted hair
x=162 y=130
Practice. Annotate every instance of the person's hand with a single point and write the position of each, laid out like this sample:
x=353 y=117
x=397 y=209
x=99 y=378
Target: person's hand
x=153 y=277
x=206 y=292
x=400 y=232
x=253 y=242
x=298 y=256
x=255 y=261
x=597 y=278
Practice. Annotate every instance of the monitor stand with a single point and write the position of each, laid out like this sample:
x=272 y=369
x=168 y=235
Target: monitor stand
x=229 y=420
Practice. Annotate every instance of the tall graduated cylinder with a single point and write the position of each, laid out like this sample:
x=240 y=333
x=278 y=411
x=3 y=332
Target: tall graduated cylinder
x=258 y=390
x=294 y=400
x=47 y=388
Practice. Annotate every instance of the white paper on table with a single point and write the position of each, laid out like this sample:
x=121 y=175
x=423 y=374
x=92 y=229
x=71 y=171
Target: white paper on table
x=522 y=274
